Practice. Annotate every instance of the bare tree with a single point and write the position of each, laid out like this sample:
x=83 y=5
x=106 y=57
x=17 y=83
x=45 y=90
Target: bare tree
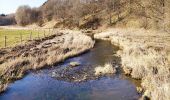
x=74 y=11
x=109 y=8
x=23 y=15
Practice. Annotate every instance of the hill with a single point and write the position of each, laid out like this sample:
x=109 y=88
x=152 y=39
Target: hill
x=152 y=14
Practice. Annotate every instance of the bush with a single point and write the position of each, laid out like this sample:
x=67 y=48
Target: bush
x=25 y=15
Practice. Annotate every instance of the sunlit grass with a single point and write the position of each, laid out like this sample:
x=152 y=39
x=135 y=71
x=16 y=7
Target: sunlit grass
x=14 y=36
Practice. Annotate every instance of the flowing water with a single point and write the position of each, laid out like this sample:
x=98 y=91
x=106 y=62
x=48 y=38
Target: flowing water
x=40 y=85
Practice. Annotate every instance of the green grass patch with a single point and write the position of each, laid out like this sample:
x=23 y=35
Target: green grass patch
x=13 y=37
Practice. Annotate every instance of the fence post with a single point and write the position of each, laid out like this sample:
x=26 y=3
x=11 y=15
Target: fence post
x=49 y=31
x=5 y=41
x=21 y=38
x=31 y=35
x=44 y=34
x=38 y=35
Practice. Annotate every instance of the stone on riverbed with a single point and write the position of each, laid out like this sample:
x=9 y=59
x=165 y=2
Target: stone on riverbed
x=74 y=64
x=54 y=74
x=75 y=74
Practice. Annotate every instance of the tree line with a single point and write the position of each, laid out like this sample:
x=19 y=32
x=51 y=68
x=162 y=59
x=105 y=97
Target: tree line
x=7 y=19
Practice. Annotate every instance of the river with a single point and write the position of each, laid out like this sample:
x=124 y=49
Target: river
x=40 y=85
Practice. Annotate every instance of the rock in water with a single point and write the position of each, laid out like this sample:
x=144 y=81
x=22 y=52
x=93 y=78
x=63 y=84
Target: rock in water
x=74 y=64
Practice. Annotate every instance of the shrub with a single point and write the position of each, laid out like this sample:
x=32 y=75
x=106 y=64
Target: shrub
x=25 y=15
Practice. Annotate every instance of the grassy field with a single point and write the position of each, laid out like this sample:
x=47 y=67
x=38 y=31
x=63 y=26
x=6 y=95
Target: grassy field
x=13 y=36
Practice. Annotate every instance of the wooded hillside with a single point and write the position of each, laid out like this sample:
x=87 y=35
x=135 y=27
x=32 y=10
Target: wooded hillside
x=89 y=13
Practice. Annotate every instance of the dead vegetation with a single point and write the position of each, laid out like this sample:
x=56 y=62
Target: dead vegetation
x=15 y=62
x=144 y=56
x=148 y=14
x=106 y=69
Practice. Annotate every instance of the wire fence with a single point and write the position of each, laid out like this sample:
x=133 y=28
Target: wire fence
x=8 y=40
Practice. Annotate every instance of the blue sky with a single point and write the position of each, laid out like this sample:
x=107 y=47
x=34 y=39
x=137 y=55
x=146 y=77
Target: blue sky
x=10 y=6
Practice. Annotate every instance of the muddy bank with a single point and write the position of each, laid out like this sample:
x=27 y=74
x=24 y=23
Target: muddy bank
x=36 y=54
x=144 y=56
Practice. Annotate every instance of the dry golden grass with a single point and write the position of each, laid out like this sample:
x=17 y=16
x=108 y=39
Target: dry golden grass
x=13 y=68
x=169 y=58
x=3 y=87
x=144 y=56
x=14 y=36
x=135 y=23
x=106 y=69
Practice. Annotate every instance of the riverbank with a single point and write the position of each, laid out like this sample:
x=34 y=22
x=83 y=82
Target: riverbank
x=36 y=54
x=144 y=56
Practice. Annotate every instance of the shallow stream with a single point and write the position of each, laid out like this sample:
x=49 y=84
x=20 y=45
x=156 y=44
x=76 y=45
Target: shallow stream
x=40 y=85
